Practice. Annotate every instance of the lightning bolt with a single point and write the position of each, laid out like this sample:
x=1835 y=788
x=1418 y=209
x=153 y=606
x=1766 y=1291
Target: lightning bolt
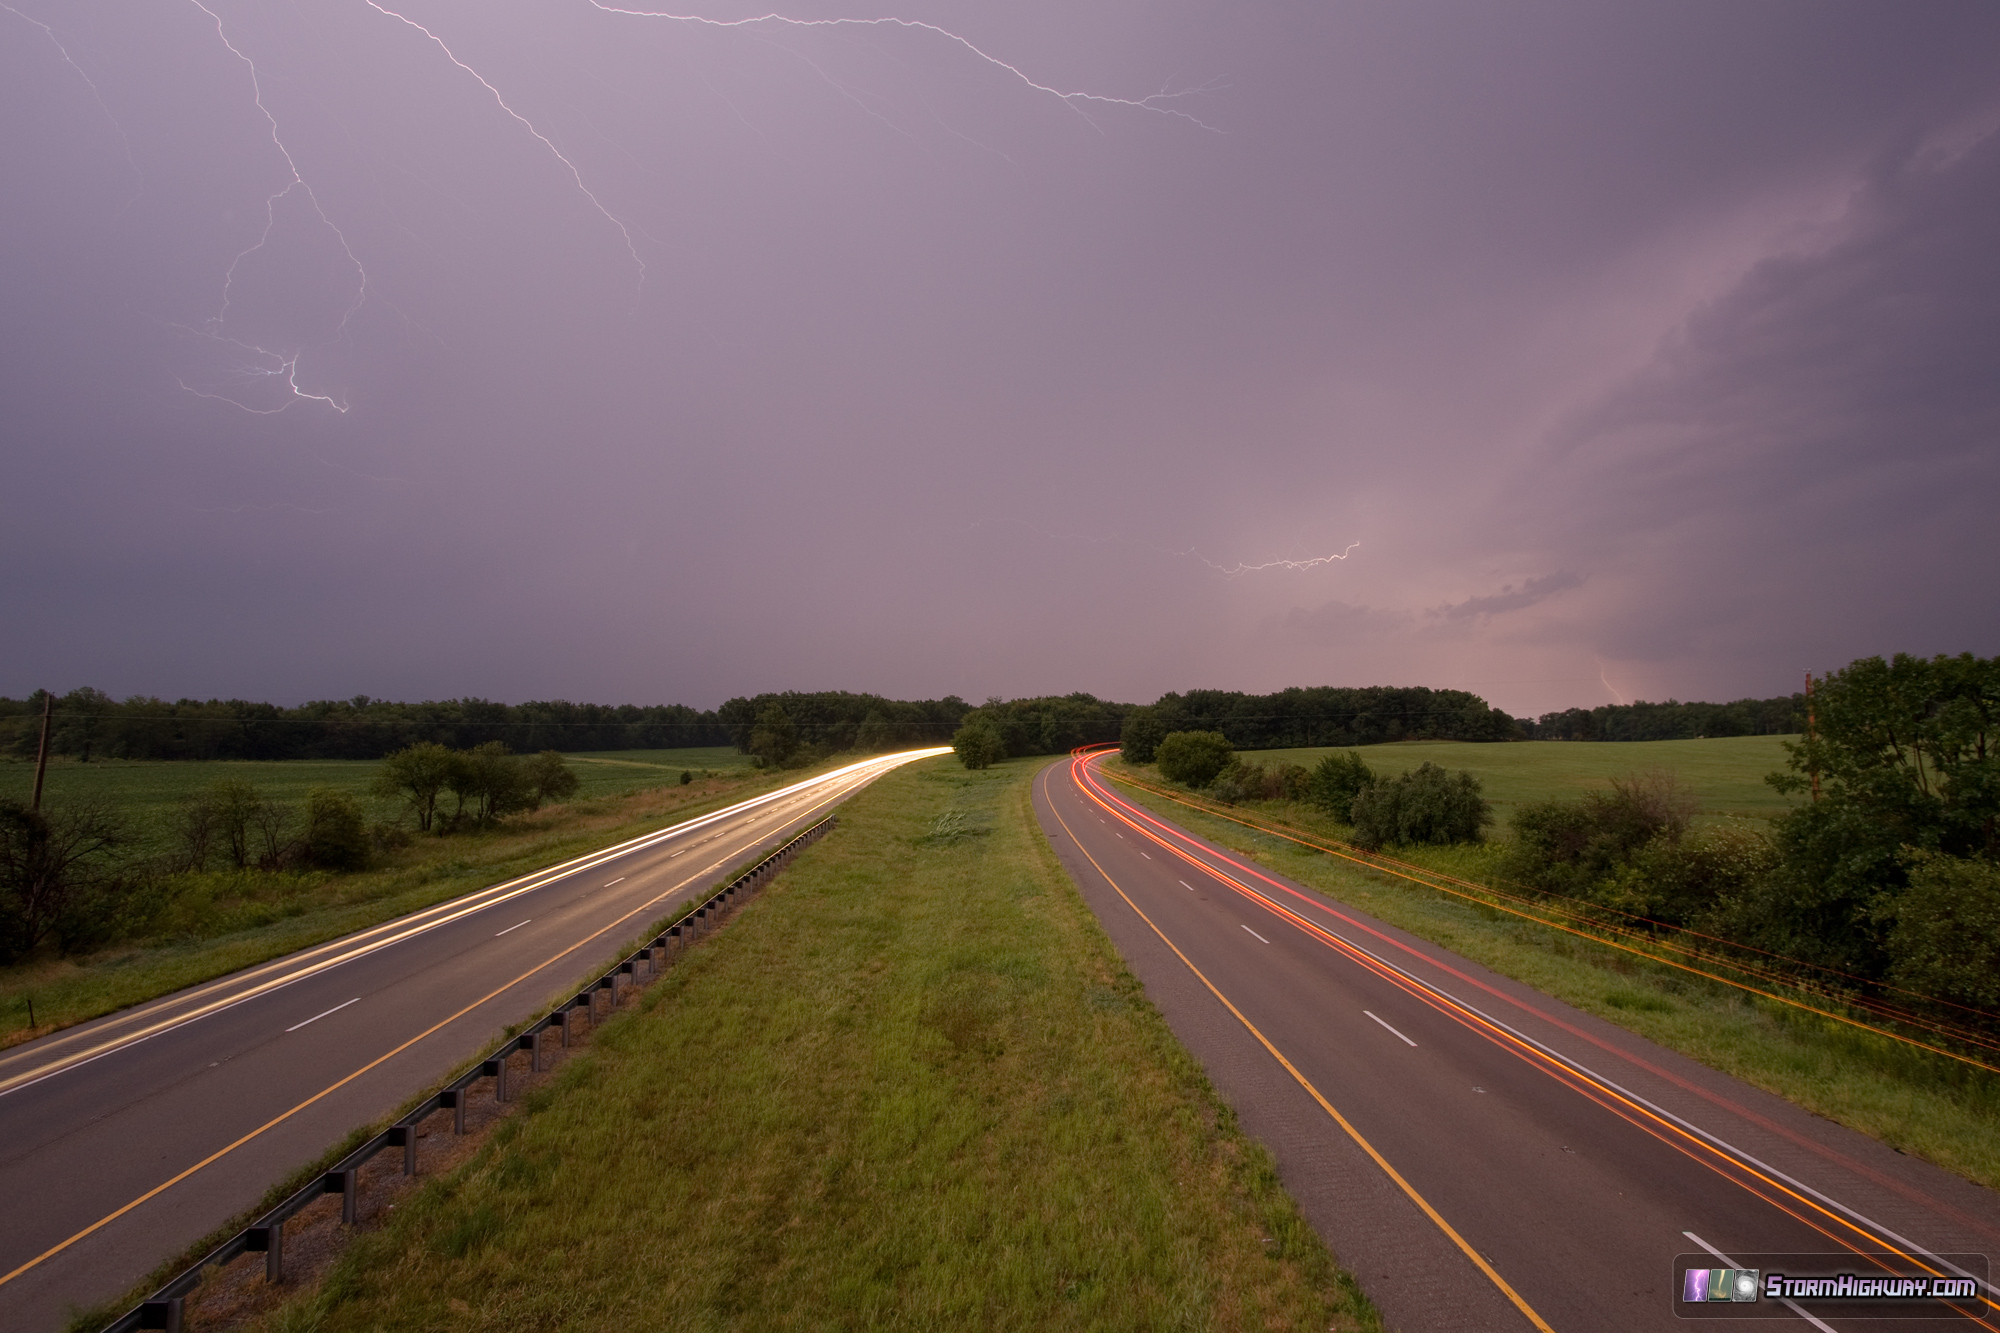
x=139 y=177
x=1076 y=101
x=1232 y=570
x=529 y=126
x=278 y=365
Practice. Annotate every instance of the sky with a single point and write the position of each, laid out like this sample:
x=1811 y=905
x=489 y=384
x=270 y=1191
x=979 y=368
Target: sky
x=1564 y=351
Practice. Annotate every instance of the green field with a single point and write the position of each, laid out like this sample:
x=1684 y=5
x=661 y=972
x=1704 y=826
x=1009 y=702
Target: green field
x=148 y=793
x=1725 y=774
x=911 y=1086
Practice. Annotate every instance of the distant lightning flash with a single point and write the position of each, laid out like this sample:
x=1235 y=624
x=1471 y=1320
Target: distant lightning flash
x=281 y=366
x=1313 y=563
x=1154 y=103
x=624 y=231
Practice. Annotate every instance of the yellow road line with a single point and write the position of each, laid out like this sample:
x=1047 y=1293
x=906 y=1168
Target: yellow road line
x=1325 y=1105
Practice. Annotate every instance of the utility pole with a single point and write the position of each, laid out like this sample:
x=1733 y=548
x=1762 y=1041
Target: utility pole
x=1811 y=731
x=42 y=750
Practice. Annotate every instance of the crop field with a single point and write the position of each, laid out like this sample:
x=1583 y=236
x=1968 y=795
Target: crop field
x=910 y=1086
x=1725 y=774
x=149 y=792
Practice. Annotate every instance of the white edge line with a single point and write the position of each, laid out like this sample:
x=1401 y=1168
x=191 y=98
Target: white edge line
x=316 y=1017
x=1399 y=1035
x=1826 y=1328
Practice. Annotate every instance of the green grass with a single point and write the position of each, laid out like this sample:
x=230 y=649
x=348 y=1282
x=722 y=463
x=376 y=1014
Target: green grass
x=1726 y=774
x=148 y=793
x=1917 y=1103
x=215 y=923
x=911 y=1086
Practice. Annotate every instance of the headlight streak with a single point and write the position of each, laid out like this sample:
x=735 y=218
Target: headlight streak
x=1772 y=1185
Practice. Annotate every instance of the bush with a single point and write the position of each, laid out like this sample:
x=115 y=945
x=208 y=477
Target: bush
x=58 y=879
x=978 y=743
x=1946 y=940
x=336 y=836
x=1572 y=847
x=1335 y=781
x=1245 y=781
x=550 y=779
x=1193 y=758
x=1427 y=805
x=1689 y=880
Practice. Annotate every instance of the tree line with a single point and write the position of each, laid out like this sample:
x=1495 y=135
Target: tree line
x=1322 y=715
x=1670 y=721
x=89 y=724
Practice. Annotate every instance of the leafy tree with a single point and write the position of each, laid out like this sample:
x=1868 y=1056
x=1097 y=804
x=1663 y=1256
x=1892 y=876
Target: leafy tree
x=1336 y=780
x=1946 y=937
x=775 y=737
x=549 y=779
x=494 y=781
x=234 y=807
x=1193 y=758
x=1907 y=757
x=419 y=774
x=336 y=832
x=978 y=743
x=1139 y=738
x=1426 y=805
x=58 y=878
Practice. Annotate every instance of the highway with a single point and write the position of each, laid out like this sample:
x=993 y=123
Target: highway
x=1481 y=1156
x=125 y=1140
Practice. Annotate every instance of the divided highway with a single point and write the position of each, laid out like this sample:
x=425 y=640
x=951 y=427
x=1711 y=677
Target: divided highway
x=1481 y=1156
x=125 y=1140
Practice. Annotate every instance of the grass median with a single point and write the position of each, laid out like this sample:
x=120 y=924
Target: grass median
x=912 y=1085
x=1914 y=1101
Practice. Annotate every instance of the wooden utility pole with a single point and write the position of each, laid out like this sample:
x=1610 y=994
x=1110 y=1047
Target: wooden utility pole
x=1811 y=731
x=42 y=750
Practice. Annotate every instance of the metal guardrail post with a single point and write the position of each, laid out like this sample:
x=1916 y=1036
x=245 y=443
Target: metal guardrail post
x=458 y=1099
x=167 y=1314
x=405 y=1137
x=268 y=1241
x=342 y=1183
x=497 y=1071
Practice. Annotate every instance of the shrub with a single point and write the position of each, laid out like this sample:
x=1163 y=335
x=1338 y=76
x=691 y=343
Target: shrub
x=1335 y=781
x=1193 y=758
x=1427 y=805
x=1571 y=847
x=336 y=834
x=550 y=779
x=978 y=743
x=1246 y=781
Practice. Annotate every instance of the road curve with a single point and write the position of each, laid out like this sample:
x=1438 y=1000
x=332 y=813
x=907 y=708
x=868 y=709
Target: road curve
x=1482 y=1156
x=125 y=1140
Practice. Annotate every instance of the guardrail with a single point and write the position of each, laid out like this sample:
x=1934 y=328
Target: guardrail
x=164 y=1309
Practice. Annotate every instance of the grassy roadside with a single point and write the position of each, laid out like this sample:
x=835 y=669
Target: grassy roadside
x=1914 y=1102
x=253 y=917
x=911 y=1086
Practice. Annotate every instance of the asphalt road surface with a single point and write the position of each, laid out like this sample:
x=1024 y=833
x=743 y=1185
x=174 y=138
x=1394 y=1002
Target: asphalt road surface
x=1481 y=1156
x=125 y=1140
